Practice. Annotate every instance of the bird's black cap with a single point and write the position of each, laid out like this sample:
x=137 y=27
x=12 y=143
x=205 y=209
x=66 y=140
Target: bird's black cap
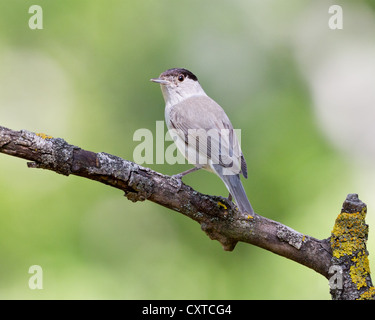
x=177 y=71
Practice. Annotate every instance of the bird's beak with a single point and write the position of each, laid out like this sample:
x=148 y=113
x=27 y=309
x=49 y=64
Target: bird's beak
x=158 y=80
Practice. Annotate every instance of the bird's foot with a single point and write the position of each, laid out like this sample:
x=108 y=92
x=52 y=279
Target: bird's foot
x=177 y=176
x=177 y=181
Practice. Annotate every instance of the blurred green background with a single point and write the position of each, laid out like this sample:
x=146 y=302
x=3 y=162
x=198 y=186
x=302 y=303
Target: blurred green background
x=302 y=94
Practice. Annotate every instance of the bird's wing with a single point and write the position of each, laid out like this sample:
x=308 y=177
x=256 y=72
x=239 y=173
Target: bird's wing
x=202 y=121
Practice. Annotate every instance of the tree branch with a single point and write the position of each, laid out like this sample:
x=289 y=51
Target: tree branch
x=218 y=217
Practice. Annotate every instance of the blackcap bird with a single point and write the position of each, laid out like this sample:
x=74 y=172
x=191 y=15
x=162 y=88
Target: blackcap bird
x=203 y=132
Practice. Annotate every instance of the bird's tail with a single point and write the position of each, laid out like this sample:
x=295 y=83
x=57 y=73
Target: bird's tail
x=235 y=187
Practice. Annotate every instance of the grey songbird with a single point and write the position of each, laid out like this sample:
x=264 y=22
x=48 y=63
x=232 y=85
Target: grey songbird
x=203 y=132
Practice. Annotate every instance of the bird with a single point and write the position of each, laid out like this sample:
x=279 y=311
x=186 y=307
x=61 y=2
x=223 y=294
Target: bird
x=203 y=132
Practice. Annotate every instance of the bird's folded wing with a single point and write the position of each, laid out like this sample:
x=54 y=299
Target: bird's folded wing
x=203 y=124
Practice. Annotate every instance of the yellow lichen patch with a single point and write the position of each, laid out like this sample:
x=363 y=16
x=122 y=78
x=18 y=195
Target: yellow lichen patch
x=349 y=233
x=360 y=270
x=222 y=205
x=44 y=136
x=368 y=294
x=349 y=236
x=341 y=248
x=249 y=217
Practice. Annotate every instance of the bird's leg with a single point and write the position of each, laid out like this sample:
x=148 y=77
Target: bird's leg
x=182 y=174
x=178 y=177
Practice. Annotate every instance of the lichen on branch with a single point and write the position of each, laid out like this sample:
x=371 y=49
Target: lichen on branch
x=348 y=243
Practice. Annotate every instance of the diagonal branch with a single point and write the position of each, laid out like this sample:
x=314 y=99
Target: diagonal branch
x=218 y=217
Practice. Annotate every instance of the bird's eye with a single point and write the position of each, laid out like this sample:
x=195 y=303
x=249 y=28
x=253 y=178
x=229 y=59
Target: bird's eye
x=181 y=77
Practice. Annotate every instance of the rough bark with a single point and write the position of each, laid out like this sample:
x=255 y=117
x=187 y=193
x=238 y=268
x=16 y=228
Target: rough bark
x=218 y=217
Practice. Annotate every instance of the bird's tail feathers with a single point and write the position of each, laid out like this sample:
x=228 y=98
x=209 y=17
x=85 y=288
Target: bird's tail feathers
x=236 y=189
